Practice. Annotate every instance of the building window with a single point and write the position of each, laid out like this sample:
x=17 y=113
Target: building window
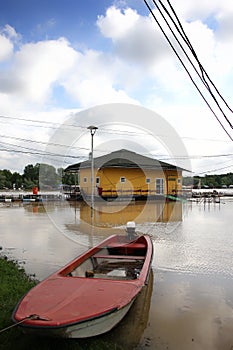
x=122 y=179
x=97 y=180
x=159 y=183
x=147 y=180
x=85 y=179
x=179 y=180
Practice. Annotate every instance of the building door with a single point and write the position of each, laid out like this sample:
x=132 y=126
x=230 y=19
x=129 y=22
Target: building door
x=171 y=185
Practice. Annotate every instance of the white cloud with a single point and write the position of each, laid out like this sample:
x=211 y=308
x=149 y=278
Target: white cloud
x=200 y=9
x=116 y=23
x=225 y=28
x=206 y=45
x=135 y=37
x=6 y=48
x=10 y=32
x=92 y=80
x=145 y=52
x=38 y=66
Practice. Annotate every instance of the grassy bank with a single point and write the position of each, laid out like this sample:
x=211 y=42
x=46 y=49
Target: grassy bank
x=14 y=283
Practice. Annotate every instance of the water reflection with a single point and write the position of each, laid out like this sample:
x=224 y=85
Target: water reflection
x=135 y=211
x=74 y=220
x=90 y=229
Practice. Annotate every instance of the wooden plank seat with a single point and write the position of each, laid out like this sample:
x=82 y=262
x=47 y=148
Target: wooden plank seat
x=128 y=245
x=127 y=257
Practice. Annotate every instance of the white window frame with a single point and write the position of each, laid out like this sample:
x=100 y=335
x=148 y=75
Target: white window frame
x=97 y=180
x=85 y=179
x=122 y=180
x=159 y=185
x=148 y=180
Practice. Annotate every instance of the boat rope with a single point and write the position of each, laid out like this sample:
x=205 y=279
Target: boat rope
x=31 y=317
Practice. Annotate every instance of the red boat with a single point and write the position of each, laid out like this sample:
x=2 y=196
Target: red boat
x=91 y=294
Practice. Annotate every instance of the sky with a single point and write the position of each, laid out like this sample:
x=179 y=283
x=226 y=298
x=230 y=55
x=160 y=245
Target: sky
x=61 y=58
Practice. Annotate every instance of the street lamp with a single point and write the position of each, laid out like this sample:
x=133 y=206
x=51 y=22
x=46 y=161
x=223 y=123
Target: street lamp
x=92 y=129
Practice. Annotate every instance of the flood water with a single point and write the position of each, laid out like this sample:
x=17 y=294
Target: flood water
x=188 y=303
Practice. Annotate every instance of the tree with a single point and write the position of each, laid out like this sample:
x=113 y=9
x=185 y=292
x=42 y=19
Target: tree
x=17 y=180
x=2 y=180
x=31 y=176
x=69 y=179
x=6 y=179
x=31 y=172
x=47 y=176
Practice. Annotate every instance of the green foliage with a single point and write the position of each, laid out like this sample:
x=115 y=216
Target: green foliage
x=5 y=179
x=48 y=178
x=212 y=181
x=69 y=179
x=16 y=180
x=40 y=175
x=31 y=172
x=13 y=284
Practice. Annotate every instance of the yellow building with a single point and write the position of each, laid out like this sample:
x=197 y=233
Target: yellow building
x=124 y=173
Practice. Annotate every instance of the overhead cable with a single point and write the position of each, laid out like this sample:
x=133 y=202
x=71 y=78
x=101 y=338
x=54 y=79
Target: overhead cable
x=202 y=76
x=199 y=63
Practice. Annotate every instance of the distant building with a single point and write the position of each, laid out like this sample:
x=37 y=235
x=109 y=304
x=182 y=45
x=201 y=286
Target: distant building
x=124 y=173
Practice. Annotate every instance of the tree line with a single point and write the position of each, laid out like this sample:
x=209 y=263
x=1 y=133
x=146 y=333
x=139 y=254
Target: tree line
x=209 y=181
x=39 y=175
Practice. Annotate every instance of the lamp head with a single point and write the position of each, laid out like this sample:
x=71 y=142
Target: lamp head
x=92 y=129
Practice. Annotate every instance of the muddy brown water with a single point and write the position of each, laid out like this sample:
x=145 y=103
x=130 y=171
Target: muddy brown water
x=188 y=303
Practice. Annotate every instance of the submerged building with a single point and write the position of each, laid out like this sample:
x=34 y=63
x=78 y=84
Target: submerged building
x=124 y=173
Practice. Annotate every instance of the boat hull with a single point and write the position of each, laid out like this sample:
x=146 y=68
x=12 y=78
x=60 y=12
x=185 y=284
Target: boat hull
x=91 y=294
x=84 y=329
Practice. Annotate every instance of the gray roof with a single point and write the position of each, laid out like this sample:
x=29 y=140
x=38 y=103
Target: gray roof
x=123 y=159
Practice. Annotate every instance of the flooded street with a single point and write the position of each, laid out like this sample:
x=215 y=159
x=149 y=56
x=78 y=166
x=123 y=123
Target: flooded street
x=188 y=303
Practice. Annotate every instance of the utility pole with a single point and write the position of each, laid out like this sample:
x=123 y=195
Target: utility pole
x=92 y=129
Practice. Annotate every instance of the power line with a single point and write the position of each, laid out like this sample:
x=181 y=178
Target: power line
x=54 y=157
x=213 y=170
x=161 y=157
x=43 y=143
x=34 y=151
x=198 y=156
x=101 y=130
x=53 y=125
x=203 y=73
x=50 y=125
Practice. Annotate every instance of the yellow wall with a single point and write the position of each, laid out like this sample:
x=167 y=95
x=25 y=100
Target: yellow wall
x=85 y=186
x=135 y=181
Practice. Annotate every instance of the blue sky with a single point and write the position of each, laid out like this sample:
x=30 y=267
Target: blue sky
x=62 y=57
x=40 y=20
x=75 y=20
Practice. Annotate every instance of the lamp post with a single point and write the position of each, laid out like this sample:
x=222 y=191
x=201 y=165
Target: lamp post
x=92 y=129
